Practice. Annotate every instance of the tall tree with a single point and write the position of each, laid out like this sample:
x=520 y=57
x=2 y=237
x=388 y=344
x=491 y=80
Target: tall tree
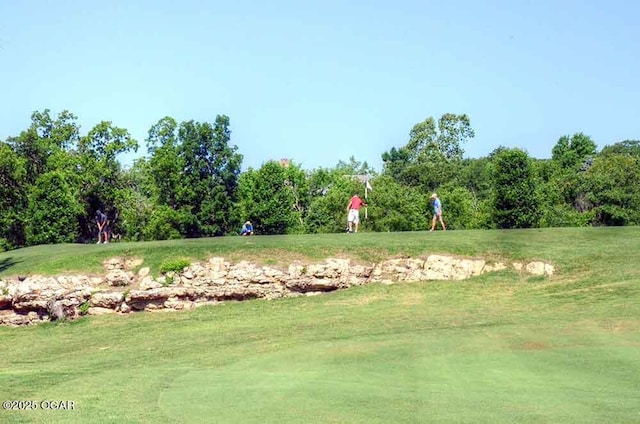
x=46 y=138
x=63 y=132
x=274 y=198
x=572 y=152
x=433 y=155
x=327 y=208
x=626 y=147
x=54 y=209
x=393 y=207
x=562 y=176
x=613 y=187
x=166 y=163
x=135 y=201
x=463 y=209
x=396 y=161
x=516 y=199
x=13 y=198
x=49 y=144
x=105 y=141
x=297 y=184
x=101 y=172
x=353 y=167
x=210 y=176
x=563 y=203
x=444 y=141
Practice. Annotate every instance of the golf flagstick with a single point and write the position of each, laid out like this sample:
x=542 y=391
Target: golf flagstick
x=366 y=208
x=367 y=187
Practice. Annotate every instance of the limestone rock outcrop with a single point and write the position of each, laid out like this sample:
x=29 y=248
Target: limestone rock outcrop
x=44 y=298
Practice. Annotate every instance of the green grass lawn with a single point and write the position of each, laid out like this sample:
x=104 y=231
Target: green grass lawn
x=500 y=348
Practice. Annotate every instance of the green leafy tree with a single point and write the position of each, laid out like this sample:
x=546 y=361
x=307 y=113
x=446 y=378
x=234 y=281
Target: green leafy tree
x=563 y=203
x=516 y=199
x=330 y=191
x=572 y=152
x=61 y=132
x=474 y=175
x=393 y=207
x=53 y=210
x=396 y=161
x=297 y=184
x=45 y=138
x=353 y=167
x=318 y=217
x=462 y=209
x=49 y=144
x=626 y=147
x=13 y=198
x=210 y=176
x=433 y=155
x=429 y=142
x=105 y=141
x=166 y=223
x=101 y=173
x=268 y=199
x=135 y=201
x=166 y=164
x=613 y=187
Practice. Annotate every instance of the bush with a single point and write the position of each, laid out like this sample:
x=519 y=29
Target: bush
x=54 y=210
x=84 y=308
x=166 y=223
x=175 y=265
x=516 y=198
x=566 y=216
x=4 y=245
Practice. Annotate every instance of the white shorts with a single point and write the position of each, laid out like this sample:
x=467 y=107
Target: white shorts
x=354 y=216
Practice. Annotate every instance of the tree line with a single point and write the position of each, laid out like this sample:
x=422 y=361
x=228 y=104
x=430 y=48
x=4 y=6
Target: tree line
x=53 y=179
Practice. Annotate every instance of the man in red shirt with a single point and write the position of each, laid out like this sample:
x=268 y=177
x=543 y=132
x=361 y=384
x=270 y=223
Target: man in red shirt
x=353 y=213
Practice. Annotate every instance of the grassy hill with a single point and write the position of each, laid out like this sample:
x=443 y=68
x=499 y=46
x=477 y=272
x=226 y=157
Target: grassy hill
x=502 y=347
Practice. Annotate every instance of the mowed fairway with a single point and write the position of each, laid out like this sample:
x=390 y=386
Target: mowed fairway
x=500 y=348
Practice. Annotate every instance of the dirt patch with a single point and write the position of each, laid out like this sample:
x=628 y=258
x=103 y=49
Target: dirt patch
x=533 y=345
x=358 y=301
x=276 y=257
x=351 y=351
x=282 y=258
x=624 y=326
x=132 y=263
x=411 y=299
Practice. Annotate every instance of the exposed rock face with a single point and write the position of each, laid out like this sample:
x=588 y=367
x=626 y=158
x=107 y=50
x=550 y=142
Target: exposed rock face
x=109 y=300
x=118 y=277
x=539 y=268
x=435 y=267
x=63 y=309
x=38 y=298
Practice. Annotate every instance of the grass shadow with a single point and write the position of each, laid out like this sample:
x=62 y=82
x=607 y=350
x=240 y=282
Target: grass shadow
x=7 y=263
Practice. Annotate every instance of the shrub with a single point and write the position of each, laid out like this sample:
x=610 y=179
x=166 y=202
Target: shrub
x=175 y=265
x=166 y=223
x=84 y=308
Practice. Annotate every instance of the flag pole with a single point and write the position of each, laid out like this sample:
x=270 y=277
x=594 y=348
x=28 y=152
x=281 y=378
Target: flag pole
x=366 y=190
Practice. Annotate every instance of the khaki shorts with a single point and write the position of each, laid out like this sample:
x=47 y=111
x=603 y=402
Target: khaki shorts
x=354 y=216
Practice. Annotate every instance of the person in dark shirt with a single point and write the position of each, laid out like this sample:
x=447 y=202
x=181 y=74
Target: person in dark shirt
x=103 y=227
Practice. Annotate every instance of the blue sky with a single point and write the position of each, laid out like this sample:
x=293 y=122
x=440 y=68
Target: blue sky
x=320 y=81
